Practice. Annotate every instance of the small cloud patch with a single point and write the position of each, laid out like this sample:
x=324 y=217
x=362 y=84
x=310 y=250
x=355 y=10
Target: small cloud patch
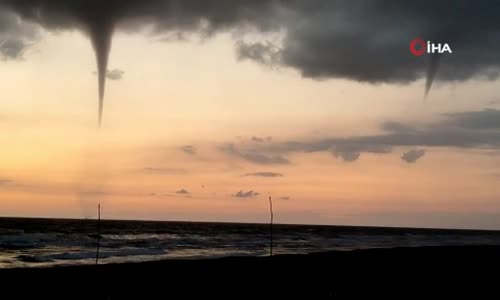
x=413 y=155
x=248 y=194
x=264 y=174
x=182 y=192
x=115 y=74
x=191 y=150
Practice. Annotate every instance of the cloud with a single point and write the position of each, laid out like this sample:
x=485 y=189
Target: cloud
x=350 y=152
x=485 y=119
x=191 y=150
x=347 y=39
x=15 y=35
x=4 y=182
x=182 y=192
x=252 y=155
x=115 y=74
x=493 y=102
x=175 y=37
x=169 y=171
x=12 y=48
x=264 y=53
x=363 y=40
x=248 y=194
x=347 y=156
x=264 y=174
x=413 y=155
x=397 y=127
x=465 y=130
x=284 y=198
x=166 y=16
x=257 y=139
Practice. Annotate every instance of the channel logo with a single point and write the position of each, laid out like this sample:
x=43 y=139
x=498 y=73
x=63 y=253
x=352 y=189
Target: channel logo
x=419 y=47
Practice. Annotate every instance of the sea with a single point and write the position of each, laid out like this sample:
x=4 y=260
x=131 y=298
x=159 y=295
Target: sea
x=31 y=243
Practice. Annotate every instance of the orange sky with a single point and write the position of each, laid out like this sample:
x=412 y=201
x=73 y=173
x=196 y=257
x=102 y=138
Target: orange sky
x=55 y=163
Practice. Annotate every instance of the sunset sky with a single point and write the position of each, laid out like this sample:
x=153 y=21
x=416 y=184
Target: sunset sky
x=195 y=130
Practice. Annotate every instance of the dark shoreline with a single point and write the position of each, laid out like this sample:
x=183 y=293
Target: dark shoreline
x=402 y=272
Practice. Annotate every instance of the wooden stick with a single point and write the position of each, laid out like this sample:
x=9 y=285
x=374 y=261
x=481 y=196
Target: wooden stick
x=98 y=233
x=271 y=226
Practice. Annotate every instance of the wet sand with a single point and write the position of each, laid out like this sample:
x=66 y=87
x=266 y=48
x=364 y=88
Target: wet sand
x=470 y=271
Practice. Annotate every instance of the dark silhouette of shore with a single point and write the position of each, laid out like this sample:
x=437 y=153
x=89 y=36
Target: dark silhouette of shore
x=469 y=271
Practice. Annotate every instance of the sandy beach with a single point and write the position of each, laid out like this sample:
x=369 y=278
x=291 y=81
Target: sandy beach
x=401 y=272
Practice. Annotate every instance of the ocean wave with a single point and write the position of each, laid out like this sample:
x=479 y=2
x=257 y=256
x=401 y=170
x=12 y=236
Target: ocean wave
x=42 y=240
x=81 y=255
x=34 y=258
x=75 y=256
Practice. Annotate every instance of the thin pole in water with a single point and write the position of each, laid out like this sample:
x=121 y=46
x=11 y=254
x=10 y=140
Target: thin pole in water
x=271 y=226
x=98 y=233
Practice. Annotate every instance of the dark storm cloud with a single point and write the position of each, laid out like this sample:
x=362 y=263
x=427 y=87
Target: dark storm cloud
x=12 y=48
x=248 y=194
x=263 y=53
x=172 y=16
x=368 y=41
x=264 y=174
x=15 y=35
x=115 y=74
x=360 y=40
x=413 y=155
x=191 y=150
x=254 y=156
